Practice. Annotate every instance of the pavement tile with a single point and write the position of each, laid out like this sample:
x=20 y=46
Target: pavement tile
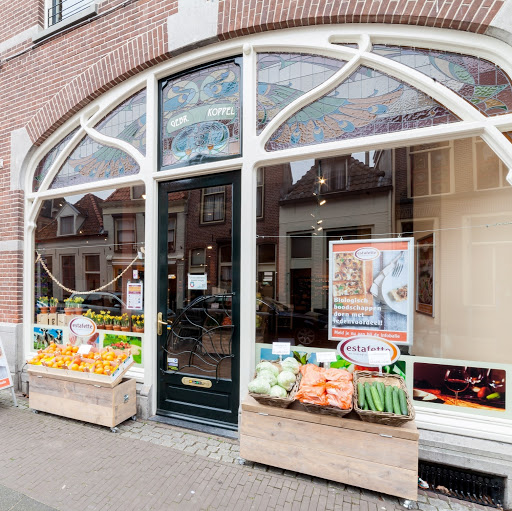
x=88 y=467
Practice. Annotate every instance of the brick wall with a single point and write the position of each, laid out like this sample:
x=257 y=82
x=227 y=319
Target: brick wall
x=242 y=17
x=19 y=15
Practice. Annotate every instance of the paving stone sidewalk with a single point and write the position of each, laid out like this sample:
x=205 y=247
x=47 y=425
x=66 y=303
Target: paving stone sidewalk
x=71 y=465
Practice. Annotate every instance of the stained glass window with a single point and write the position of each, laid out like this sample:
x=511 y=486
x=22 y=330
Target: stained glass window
x=284 y=77
x=476 y=80
x=127 y=122
x=367 y=103
x=201 y=115
x=44 y=165
x=91 y=161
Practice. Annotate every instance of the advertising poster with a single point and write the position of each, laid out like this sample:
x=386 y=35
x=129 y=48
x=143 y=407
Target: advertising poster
x=473 y=387
x=370 y=287
x=5 y=374
x=134 y=296
x=425 y=275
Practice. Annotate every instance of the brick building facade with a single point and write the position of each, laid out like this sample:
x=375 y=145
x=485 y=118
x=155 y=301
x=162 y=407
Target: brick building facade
x=51 y=73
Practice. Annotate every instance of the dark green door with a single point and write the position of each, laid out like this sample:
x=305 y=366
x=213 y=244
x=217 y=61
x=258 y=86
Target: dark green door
x=198 y=295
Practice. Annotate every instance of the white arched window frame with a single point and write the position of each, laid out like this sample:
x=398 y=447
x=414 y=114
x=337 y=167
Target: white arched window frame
x=321 y=40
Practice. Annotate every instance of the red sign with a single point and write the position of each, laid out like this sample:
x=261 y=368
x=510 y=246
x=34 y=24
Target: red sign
x=5 y=375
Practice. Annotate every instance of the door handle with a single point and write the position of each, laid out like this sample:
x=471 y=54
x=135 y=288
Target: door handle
x=160 y=322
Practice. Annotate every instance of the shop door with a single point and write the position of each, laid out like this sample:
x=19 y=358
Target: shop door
x=198 y=295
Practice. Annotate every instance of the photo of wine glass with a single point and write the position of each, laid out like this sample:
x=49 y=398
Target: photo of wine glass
x=475 y=375
x=456 y=380
x=496 y=379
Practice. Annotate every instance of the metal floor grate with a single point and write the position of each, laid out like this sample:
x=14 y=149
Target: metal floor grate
x=483 y=489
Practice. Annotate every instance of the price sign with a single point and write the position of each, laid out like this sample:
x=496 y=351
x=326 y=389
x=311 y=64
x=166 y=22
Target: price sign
x=280 y=348
x=379 y=358
x=326 y=357
x=84 y=349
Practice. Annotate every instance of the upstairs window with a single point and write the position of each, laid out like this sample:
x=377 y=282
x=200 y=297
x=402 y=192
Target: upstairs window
x=67 y=225
x=62 y=10
x=125 y=234
x=212 y=209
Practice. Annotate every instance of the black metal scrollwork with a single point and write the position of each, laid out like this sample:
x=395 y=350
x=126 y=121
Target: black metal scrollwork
x=201 y=335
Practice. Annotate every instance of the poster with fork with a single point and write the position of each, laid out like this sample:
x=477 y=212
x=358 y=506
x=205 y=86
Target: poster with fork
x=371 y=289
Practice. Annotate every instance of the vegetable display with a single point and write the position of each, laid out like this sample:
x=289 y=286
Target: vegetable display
x=326 y=387
x=382 y=398
x=275 y=379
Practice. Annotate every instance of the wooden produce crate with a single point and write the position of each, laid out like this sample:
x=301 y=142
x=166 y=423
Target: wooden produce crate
x=347 y=450
x=100 y=380
x=106 y=406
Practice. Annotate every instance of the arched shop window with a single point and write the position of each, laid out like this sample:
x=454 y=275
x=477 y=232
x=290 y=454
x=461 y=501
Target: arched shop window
x=347 y=143
x=87 y=241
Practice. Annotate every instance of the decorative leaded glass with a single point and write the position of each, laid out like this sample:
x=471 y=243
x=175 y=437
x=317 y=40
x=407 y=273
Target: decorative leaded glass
x=367 y=103
x=284 y=77
x=127 y=122
x=44 y=165
x=201 y=115
x=91 y=161
x=476 y=80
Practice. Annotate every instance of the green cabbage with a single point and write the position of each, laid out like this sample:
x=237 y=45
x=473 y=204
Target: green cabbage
x=267 y=375
x=277 y=391
x=267 y=365
x=287 y=380
x=259 y=386
x=290 y=364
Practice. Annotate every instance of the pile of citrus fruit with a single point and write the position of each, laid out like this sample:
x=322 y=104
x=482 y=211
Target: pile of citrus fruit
x=57 y=356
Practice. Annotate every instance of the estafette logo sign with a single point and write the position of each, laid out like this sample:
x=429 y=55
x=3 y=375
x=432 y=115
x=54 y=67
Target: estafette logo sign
x=82 y=326
x=356 y=349
x=367 y=253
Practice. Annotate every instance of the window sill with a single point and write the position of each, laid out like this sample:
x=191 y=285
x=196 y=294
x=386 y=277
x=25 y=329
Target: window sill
x=88 y=12
x=484 y=427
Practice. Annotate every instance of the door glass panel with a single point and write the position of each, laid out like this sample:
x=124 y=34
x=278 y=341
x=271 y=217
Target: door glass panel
x=199 y=284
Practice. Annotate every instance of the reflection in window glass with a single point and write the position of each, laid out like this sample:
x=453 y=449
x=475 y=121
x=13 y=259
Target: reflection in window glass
x=93 y=254
x=213 y=204
x=454 y=192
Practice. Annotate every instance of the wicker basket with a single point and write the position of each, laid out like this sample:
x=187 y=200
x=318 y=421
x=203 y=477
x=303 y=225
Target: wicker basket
x=279 y=402
x=390 y=419
x=326 y=410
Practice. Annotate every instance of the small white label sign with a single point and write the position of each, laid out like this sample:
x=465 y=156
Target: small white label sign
x=84 y=349
x=198 y=281
x=379 y=358
x=280 y=348
x=326 y=356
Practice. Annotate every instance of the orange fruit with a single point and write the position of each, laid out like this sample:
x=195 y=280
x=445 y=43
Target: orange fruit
x=74 y=367
x=74 y=349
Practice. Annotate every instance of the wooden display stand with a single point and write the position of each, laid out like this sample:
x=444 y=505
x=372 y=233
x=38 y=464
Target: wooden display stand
x=89 y=402
x=347 y=450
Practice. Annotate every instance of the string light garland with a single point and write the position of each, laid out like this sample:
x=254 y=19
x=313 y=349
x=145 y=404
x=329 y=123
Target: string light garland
x=388 y=234
x=73 y=291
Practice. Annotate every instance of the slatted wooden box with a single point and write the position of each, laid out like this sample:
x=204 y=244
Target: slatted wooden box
x=106 y=406
x=347 y=450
